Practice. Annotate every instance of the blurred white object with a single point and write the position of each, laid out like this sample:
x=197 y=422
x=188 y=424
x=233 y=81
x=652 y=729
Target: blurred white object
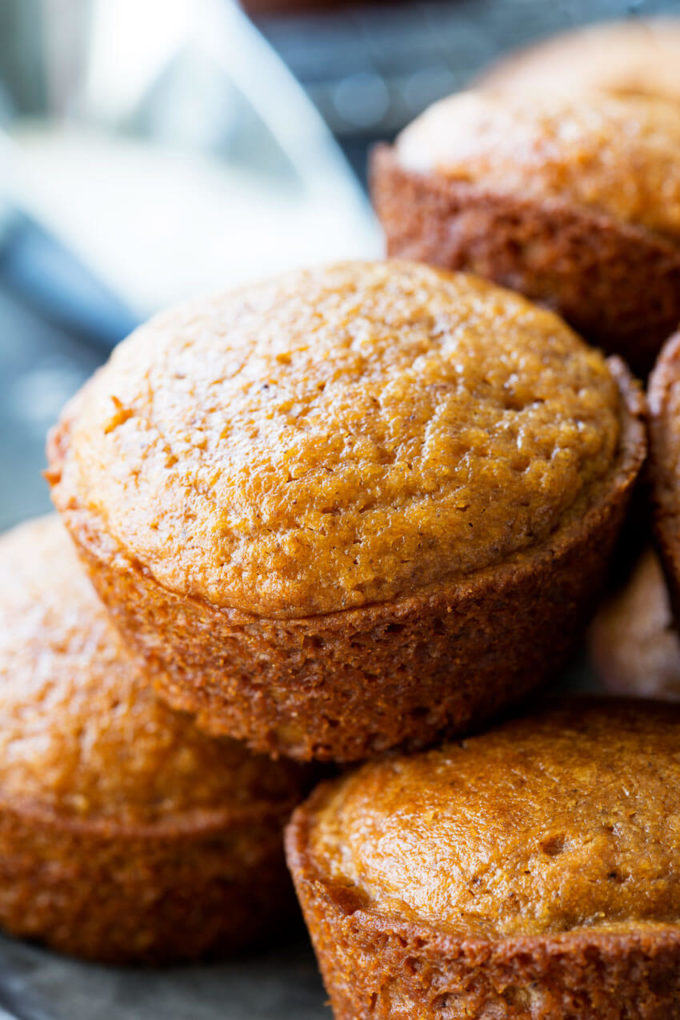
x=184 y=157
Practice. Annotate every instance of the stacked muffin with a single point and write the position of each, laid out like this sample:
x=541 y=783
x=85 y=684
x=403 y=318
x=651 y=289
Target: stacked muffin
x=360 y=512
x=125 y=834
x=352 y=508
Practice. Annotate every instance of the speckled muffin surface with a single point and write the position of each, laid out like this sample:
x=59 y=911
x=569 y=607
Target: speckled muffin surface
x=562 y=197
x=283 y=493
x=341 y=437
x=125 y=833
x=637 y=57
x=525 y=873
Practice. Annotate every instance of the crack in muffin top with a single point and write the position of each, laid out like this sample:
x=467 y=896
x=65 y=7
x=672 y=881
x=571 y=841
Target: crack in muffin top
x=339 y=437
x=82 y=736
x=618 y=155
x=564 y=820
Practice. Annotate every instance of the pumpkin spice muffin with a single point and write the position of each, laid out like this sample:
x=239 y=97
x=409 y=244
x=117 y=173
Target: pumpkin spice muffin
x=637 y=57
x=349 y=508
x=634 y=645
x=125 y=834
x=527 y=873
x=572 y=200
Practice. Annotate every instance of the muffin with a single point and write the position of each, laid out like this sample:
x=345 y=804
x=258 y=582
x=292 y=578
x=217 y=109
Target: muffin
x=664 y=463
x=527 y=873
x=350 y=508
x=638 y=57
x=572 y=200
x=634 y=645
x=125 y=834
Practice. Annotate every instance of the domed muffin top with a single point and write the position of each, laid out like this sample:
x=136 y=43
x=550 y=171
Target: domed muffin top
x=80 y=736
x=618 y=155
x=565 y=820
x=339 y=437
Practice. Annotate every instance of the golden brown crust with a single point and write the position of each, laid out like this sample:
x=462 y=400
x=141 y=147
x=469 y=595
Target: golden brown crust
x=125 y=834
x=664 y=463
x=617 y=283
x=378 y=968
x=474 y=839
x=634 y=645
x=376 y=964
x=345 y=685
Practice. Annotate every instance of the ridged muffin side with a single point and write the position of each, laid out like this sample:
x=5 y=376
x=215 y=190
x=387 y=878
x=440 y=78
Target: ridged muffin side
x=479 y=457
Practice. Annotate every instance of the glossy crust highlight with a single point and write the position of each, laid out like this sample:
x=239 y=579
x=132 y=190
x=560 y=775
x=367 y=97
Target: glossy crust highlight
x=380 y=968
x=378 y=965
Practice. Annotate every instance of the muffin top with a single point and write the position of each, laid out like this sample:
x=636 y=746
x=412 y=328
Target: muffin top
x=564 y=821
x=80 y=736
x=617 y=155
x=635 y=57
x=339 y=437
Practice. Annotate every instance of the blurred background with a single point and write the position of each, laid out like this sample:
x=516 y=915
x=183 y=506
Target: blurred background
x=155 y=149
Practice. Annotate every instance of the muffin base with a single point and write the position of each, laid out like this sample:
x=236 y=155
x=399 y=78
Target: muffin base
x=347 y=685
x=151 y=894
x=615 y=283
x=377 y=967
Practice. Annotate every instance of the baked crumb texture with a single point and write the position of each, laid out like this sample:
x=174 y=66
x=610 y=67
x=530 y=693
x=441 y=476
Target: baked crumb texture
x=125 y=833
x=571 y=200
x=525 y=873
x=349 y=508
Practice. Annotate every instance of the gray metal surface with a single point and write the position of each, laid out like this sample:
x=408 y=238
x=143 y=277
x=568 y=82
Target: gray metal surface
x=282 y=984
